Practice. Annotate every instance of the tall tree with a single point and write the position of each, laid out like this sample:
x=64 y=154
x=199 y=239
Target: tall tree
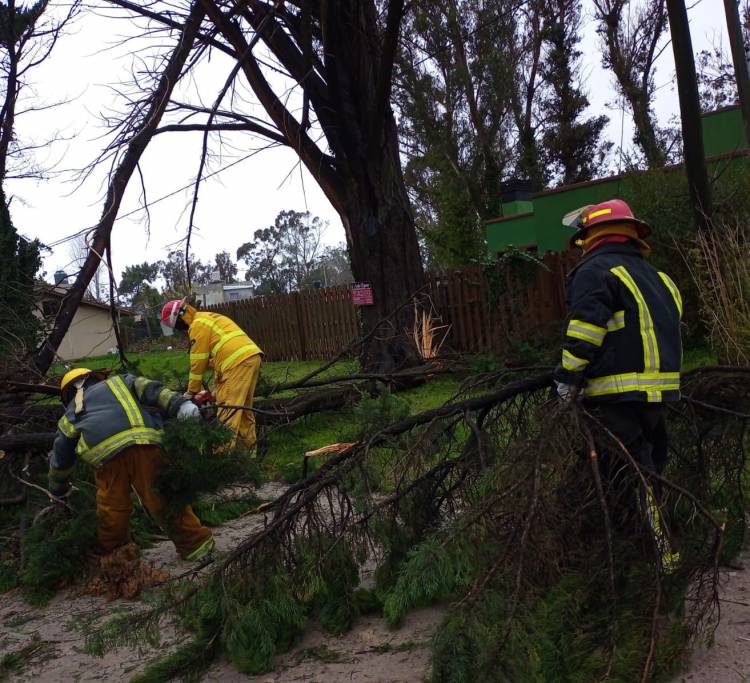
x=338 y=57
x=281 y=258
x=136 y=280
x=455 y=94
x=341 y=56
x=574 y=150
x=136 y=284
x=19 y=263
x=692 y=130
x=173 y=271
x=632 y=41
x=226 y=267
x=717 y=84
x=27 y=36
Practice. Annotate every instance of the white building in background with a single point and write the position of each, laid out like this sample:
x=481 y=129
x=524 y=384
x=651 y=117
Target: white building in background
x=219 y=293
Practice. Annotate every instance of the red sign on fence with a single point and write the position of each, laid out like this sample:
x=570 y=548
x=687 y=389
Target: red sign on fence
x=362 y=294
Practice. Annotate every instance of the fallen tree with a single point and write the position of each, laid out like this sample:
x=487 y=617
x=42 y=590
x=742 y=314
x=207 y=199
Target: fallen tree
x=497 y=503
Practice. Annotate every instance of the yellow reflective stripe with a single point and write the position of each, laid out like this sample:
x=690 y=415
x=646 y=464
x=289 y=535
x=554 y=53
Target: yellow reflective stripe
x=653 y=512
x=654 y=382
x=593 y=334
x=123 y=395
x=96 y=455
x=67 y=427
x=203 y=549
x=213 y=324
x=648 y=335
x=224 y=339
x=571 y=362
x=164 y=397
x=198 y=356
x=247 y=350
x=616 y=322
x=596 y=214
x=194 y=376
x=672 y=287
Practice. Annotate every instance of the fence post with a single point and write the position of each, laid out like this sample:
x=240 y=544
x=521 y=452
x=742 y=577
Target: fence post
x=300 y=326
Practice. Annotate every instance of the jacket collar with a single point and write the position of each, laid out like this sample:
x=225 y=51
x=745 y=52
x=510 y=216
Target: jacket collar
x=628 y=248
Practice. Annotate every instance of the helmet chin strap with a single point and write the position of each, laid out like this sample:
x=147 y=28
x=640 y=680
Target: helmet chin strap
x=79 y=407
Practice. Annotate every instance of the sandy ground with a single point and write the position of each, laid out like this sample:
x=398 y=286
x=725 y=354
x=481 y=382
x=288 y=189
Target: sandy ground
x=728 y=659
x=370 y=652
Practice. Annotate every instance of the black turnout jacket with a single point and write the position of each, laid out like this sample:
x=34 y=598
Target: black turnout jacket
x=622 y=338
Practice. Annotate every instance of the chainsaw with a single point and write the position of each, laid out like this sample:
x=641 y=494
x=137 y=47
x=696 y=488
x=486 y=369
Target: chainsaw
x=206 y=403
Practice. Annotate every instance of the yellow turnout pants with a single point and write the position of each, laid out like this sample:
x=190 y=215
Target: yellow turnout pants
x=236 y=387
x=138 y=466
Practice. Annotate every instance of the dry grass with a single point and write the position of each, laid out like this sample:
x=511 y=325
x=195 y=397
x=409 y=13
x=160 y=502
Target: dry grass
x=719 y=263
x=428 y=334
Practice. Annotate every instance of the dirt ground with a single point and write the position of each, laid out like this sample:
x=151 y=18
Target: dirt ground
x=370 y=652
x=728 y=659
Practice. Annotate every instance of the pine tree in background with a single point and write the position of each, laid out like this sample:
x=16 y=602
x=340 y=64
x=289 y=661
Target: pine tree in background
x=19 y=262
x=572 y=142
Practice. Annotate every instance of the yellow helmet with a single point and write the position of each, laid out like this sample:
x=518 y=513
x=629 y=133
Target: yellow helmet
x=72 y=375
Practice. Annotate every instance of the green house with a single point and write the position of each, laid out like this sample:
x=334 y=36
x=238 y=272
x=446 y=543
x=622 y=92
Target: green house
x=529 y=220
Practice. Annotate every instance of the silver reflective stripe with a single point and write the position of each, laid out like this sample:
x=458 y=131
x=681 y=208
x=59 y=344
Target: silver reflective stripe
x=648 y=382
x=587 y=334
x=99 y=453
x=616 y=322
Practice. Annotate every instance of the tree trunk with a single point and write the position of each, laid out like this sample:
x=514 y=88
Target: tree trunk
x=373 y=201
x=385 y=253
x=692 y=130
x=645 y=129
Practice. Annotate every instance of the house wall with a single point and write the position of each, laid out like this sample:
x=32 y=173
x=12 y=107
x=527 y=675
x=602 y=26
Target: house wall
x=538 y=222
x=90 y=334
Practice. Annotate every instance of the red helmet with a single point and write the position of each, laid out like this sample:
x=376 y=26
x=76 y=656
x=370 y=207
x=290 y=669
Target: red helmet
x=171 y=312
x=611 y=211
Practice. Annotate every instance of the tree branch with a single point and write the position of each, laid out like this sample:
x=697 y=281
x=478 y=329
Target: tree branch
x=246 y=127
x=152 y=112
x=319 y=164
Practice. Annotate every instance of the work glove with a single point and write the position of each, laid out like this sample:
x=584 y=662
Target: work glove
x=188 y=411
x=567 y=392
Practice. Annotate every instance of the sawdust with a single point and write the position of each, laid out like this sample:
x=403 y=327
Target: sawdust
x=123 y=574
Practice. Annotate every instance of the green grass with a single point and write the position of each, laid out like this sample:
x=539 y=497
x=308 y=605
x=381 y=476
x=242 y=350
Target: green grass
x=172 y=367
x=285 y=447
x=698 y=357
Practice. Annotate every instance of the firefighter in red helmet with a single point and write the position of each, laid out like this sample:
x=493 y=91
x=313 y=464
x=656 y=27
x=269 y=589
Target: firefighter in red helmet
x=622 y=352
x=236 y=361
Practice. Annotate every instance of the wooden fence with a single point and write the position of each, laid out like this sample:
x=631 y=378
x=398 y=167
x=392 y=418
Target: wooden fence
x=313 y=323
x=486 y=311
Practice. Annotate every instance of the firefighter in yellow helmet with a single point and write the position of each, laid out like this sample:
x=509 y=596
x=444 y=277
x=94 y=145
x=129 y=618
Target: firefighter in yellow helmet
x=105 y=424
x=236 y=361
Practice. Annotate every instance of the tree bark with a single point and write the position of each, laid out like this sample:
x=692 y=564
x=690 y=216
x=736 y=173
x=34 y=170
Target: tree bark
x=692 y=130
x=117 y=185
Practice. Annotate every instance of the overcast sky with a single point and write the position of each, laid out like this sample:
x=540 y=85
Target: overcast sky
x=89 y=60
